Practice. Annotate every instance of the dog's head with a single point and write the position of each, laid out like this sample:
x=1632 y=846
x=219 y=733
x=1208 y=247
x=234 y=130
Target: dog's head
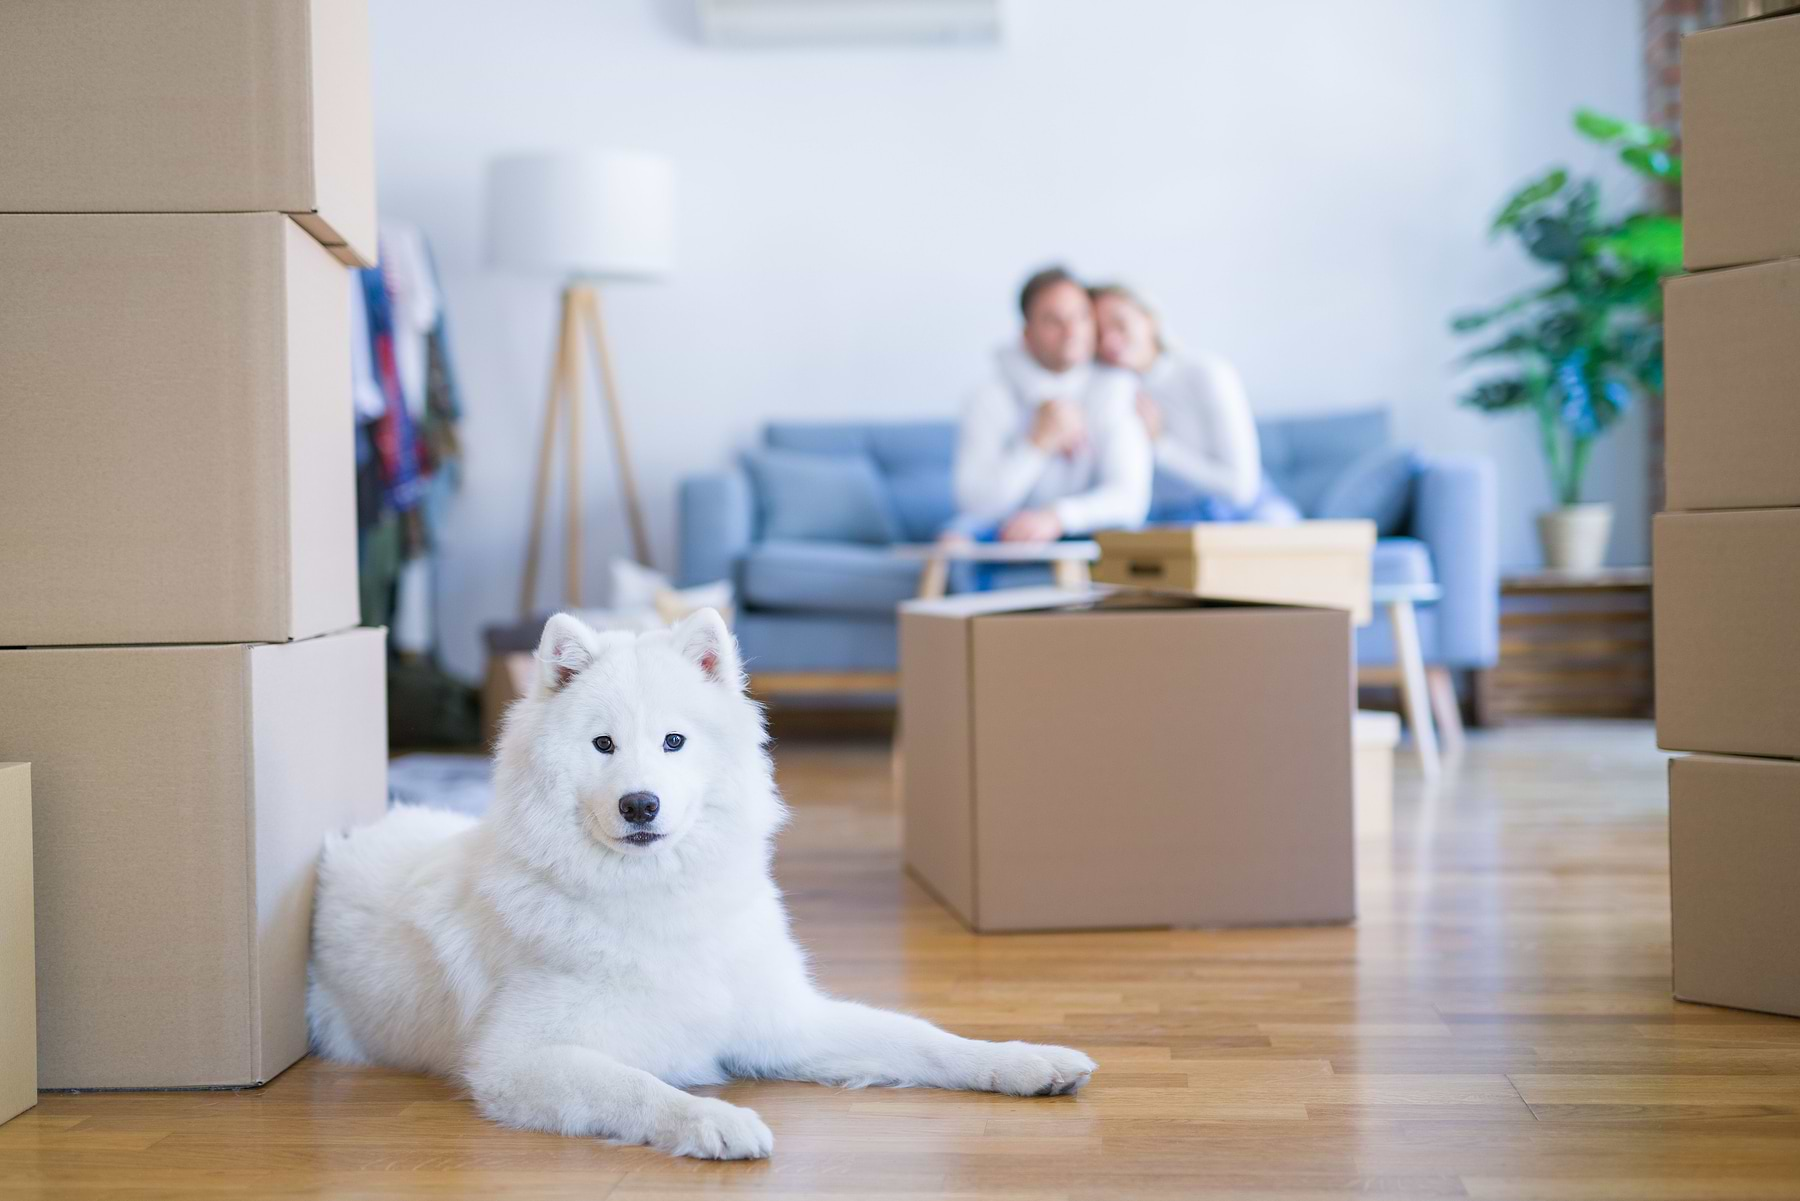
x=633 y=746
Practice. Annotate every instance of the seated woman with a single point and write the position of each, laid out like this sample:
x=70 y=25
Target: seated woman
x=1208 y=458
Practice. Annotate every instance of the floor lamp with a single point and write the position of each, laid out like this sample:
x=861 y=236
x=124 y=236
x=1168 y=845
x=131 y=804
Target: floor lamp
x=592 y=217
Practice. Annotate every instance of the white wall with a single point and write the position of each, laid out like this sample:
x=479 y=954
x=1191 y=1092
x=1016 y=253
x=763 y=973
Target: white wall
x=1303 y=186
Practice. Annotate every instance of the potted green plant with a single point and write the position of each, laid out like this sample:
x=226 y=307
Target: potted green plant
x=1577 y=351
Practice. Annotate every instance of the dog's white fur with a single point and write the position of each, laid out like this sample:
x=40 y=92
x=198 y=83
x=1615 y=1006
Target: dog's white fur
x=576 y=982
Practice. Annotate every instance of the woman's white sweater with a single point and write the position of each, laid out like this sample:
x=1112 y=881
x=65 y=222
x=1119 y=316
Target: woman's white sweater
x=1209 y=435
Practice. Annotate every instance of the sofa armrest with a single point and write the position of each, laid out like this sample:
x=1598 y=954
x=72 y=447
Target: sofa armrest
x=1456 y=514
x=717 y=525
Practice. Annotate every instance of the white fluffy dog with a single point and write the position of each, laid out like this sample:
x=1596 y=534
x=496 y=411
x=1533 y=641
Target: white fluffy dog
x=611 y=934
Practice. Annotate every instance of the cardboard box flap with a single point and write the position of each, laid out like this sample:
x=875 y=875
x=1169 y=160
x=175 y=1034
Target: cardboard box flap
x=1011 y=600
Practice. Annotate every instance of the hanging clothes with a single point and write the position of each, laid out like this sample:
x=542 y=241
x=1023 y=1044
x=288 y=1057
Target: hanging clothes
x=407 y=408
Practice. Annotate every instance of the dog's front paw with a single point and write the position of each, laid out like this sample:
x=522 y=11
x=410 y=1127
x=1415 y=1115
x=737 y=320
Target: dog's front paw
x=1031 y=1070
x=708 y=1129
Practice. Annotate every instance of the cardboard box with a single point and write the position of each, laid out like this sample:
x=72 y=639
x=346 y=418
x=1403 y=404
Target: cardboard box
x=191 y=106
x=18 y=964
x=1323 y=563
x=1740 y=142
x=508 y=678
x=1732 y=360
x=1374 y=735
x=1085 y=762
x=1727 y=631
x=1734 y=838
x=181 y=798
x=177 y=460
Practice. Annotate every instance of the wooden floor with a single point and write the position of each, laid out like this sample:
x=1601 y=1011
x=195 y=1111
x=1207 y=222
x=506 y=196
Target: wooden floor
x=1497 y=1025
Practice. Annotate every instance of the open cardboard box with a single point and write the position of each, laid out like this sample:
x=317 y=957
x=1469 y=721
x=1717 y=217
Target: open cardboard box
x=1114 y=760
x=181 y=795
x=191 y=106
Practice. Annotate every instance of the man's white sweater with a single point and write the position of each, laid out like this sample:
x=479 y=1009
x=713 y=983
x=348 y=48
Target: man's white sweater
x=1103 y=485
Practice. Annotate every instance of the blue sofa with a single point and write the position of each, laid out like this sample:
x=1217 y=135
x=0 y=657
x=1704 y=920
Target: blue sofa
x=829 y=606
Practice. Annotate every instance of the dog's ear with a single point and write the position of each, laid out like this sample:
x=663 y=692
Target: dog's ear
x=703 y=640
x=565 y=651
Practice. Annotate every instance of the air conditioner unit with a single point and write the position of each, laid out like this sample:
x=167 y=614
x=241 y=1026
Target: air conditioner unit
x=736 y=23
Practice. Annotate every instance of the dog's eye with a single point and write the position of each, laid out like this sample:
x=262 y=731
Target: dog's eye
x=604 y=744
x=674 y=742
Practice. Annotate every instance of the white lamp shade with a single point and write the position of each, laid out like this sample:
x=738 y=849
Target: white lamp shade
x=602 y=213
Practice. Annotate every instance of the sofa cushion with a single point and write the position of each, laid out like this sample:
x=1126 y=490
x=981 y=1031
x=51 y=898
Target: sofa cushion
x=924 y=501
x=826 y=577
x=1377 y=486
x=824 y=642
x=820 y=497
x=818 y=437
x=1402 y=561
x=914 y=458
x=1304 y=456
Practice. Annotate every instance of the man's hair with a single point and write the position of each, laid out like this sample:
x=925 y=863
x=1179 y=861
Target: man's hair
x=1049 y=277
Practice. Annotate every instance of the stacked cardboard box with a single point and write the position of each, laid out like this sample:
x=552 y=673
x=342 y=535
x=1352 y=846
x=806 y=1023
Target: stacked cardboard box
x=18 y=970
x=1727 y=554
x=185 y=184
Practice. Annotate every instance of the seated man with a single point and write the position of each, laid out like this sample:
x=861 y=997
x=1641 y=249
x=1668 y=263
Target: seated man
x=1051 y=445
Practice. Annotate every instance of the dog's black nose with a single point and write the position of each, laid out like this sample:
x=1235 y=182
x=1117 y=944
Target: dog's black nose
x=639 y=808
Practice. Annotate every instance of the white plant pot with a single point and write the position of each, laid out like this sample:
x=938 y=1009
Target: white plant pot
x=1574 y=537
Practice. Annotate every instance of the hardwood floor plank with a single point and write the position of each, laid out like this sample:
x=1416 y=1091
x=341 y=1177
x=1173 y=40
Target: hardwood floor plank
x=1497 y=1025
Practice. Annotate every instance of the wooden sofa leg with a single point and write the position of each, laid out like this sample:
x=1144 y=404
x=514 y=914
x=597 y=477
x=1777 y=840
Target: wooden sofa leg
x=1444 y=708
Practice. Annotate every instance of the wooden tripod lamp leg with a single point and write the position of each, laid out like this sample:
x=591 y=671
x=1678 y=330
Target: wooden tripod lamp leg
x=569 y=356
x=640 y=540
x=540 y=494
x=559 y=395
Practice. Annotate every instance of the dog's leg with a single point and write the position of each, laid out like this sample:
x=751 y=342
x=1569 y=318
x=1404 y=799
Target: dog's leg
x=841 y=1042
x=575 y=1090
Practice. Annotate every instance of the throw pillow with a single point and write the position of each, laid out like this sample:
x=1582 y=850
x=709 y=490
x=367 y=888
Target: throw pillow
x=1378 y=486
x=821 y=498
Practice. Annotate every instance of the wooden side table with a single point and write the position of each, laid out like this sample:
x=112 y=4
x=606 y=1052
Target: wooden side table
x=1571 y=645
x=1423 y=689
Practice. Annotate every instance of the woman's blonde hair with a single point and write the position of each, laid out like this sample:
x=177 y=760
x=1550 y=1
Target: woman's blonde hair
x=1124 y=292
